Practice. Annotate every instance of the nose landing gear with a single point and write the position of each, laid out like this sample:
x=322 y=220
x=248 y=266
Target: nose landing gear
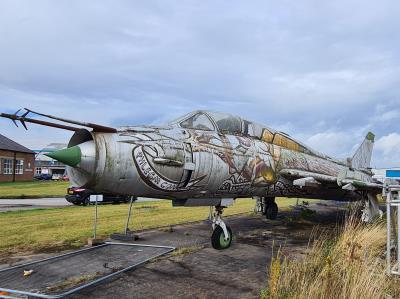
x=221 y=237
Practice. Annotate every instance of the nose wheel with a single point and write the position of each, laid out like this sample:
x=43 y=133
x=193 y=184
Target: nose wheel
x=221 y=237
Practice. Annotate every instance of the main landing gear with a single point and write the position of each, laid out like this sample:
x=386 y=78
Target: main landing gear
x=221 y=237
x=371 y=208
x=267 y=206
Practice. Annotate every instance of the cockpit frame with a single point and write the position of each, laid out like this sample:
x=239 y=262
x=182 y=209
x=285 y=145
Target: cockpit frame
x=242 y=127
x=226 y=124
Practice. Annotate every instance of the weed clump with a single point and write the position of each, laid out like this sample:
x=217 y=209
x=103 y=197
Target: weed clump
x=350 y=263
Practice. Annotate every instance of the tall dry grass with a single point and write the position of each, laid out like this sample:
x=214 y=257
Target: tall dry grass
x=349 y=264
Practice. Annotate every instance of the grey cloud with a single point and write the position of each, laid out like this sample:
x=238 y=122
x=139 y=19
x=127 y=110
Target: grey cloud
x=321 y=71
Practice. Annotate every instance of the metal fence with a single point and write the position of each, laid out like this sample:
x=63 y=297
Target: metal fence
x=392 y=192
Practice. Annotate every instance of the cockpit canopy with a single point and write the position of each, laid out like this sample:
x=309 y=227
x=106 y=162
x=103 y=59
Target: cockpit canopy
x=221 y=122
x=229 y=124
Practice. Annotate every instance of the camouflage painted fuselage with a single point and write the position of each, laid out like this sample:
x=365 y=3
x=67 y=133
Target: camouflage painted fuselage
x=178 y=163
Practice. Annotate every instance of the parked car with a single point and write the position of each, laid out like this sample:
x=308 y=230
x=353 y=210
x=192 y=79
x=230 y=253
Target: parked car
x=81 y=196
x=57 y=177
x=43 y=177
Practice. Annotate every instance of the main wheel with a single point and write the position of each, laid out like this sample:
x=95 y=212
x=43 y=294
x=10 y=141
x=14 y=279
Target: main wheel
x=271 y=211
x=218 y=238
x=86 y=201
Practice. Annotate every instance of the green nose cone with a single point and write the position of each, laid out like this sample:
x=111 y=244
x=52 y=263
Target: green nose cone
x=70 y=156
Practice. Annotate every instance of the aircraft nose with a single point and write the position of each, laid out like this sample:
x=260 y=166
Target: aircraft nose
x=79 y=156
x=70 y=156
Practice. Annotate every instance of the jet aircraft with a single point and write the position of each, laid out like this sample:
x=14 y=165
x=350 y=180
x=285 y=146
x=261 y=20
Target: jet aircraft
x=209 y=158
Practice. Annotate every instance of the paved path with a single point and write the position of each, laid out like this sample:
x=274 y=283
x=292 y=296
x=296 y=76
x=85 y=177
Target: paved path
x=36 y=203
x=41 y=203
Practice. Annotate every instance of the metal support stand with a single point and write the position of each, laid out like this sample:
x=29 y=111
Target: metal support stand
x=95 y=220
x=392 y=193
x=127 y=235
x=210 y=214
x=95 y=198
x=209 y=218
x=129 y=214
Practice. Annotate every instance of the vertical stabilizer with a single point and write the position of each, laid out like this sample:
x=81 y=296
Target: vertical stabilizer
x=362 y=157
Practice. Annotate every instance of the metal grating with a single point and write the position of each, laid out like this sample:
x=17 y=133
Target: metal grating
x=65 y=274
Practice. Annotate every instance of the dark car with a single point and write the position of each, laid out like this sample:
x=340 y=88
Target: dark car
x=81 y=196
x=43 y=177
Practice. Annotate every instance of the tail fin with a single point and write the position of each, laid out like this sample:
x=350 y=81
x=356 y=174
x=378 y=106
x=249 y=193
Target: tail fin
x=362 y=157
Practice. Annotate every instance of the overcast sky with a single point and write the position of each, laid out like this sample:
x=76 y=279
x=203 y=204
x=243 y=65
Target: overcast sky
x=326 y=73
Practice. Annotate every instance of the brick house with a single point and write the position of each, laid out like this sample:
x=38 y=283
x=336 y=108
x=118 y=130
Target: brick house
x=16 y=161
x=47 y=165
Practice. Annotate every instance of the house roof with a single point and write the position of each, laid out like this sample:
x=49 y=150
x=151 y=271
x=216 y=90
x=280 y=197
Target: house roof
x=9 y=145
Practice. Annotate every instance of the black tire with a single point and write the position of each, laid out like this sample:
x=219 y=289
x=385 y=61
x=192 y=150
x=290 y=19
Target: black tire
x=218 y=238
x=271 y=212
x=86 y=201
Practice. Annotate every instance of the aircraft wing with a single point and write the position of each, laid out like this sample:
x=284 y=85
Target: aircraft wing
x=347 y=180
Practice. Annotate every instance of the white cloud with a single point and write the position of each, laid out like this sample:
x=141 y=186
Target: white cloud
x=333 y=143
x=385 y=113
x=388 y=150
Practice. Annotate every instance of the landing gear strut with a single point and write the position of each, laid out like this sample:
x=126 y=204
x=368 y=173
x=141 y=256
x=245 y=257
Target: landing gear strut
x=267 y=206
x=221 y=237
x=271 y=208
x=371 y=208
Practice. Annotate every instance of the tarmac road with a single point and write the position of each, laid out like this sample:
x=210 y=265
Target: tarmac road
x=34 y=203
x=41 y=203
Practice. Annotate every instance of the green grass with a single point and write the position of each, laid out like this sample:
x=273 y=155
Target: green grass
x=69 y=227
x=33 y=189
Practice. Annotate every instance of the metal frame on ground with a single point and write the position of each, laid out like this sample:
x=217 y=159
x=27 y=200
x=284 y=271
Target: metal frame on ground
x=96 y=281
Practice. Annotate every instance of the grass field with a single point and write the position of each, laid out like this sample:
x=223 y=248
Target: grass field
x=33 y=189
x=54 y=229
